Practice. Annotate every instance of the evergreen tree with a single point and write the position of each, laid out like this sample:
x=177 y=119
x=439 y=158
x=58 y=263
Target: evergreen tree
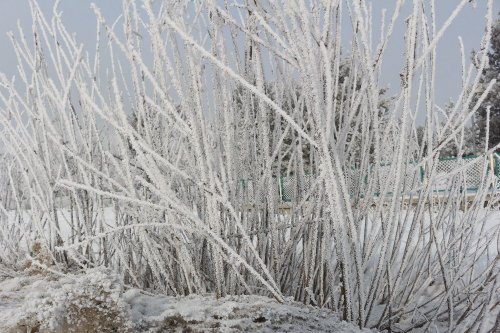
x=492 y=101
x=464 y=143
x=290 y=97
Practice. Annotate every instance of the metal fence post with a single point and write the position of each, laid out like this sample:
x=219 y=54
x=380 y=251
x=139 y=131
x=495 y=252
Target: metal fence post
x=280 y=186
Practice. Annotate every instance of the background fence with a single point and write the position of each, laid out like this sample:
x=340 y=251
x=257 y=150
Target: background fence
x=471 y=171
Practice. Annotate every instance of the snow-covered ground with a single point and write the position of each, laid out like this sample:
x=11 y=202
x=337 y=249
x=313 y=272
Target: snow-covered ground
x=49 y=301
x=97 y=302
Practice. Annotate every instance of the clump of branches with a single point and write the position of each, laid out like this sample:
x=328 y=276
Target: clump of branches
x=160 y=154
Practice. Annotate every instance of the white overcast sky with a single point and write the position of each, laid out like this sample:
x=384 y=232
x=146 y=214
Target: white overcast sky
x=470 y=25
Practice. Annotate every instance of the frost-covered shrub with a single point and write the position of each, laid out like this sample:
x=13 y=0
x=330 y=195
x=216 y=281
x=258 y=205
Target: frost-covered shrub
x=160 y=156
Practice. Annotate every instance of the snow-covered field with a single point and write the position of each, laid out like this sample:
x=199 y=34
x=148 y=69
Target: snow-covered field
x=96 y=302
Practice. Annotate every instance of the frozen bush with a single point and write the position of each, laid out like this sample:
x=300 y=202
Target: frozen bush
x=161 y=155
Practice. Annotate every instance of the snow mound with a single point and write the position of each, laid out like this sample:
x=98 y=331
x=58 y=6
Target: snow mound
x=229 y=314
x=96 y=302
x=73 y=303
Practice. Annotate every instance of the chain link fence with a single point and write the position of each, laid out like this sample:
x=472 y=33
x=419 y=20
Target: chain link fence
x=470 y=171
